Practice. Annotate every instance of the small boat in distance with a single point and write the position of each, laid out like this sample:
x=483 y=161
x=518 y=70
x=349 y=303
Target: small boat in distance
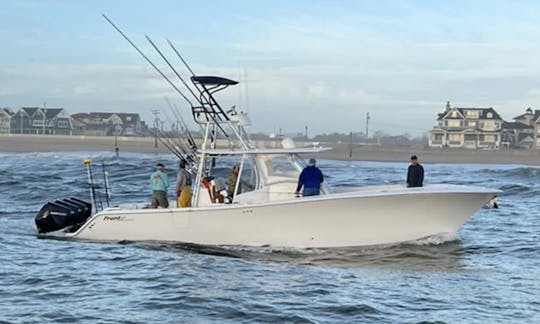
x=269 y=214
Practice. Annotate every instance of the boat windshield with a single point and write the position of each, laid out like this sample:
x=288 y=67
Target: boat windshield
x=281 y=166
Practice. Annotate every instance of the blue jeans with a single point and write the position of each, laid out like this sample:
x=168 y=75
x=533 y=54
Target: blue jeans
x=310 y=192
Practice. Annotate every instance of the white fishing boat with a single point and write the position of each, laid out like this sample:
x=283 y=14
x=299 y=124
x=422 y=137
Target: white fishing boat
x=269 y=214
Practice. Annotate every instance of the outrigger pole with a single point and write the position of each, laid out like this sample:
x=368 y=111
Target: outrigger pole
x=199 y=100
x=148 y=60
x=106 y=183
x=88 y=163
x=161 y=73
x=201 y=92
x=211 y=101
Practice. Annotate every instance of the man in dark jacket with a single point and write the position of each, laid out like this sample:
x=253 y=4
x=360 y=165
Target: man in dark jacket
x=311 y=179
x=415 y=174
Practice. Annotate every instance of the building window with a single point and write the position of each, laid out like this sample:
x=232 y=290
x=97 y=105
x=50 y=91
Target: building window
x=37 y=122
x=454 y=123
x=472 y=114
x=63 y=124
x=454 y=113
x=489 y=138
x=489 y=115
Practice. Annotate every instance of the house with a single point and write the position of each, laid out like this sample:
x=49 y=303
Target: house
x=35 y=120
x=524 y=132
x=107 y=124
x=472 y=128
x=5 y=120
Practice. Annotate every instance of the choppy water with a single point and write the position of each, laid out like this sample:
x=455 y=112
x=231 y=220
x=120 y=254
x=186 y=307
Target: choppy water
x=491 y=273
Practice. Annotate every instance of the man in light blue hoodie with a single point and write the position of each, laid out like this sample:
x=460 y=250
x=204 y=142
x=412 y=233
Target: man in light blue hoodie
x=159 y=185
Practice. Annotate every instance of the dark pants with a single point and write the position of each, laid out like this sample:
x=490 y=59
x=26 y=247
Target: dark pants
x=159 y=198
x=310 y=192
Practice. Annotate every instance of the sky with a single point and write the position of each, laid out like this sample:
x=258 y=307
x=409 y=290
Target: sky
x=321 y=64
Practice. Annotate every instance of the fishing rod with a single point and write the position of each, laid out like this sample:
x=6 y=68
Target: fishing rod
x=148 y=60
x=212 y=113
x=174 y=140
x=106 y=183
x=211 y=101
x=172 y=145
x=170 y=148
x=162 y=74
x=191 y=141
x=176 y=146
x=196 y=85
x=172 y=68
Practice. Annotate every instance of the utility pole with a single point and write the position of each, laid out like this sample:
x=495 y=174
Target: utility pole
x=44 y=113
x=367 y=124
x=306 y=134
x=155 y=112
x=350 y=146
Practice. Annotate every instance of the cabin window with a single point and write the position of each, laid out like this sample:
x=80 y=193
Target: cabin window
x=281 y=166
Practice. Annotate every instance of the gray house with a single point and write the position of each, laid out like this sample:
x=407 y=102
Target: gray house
x=524 y=132
x=5 y=120
x=107 y=124
x=35 y=120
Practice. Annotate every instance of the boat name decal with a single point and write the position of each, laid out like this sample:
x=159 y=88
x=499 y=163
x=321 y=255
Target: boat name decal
x=116 y=218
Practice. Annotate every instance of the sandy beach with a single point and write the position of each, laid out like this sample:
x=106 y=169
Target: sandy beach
x=16 y=143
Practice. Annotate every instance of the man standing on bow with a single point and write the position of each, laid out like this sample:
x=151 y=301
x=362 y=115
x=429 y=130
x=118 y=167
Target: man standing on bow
x=311 y=179
x=415 y=174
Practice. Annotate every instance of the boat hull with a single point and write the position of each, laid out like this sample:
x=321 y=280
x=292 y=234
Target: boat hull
x=335 y=220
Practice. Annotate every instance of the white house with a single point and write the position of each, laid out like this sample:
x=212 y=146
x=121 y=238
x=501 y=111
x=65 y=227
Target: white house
x=5 y=120
x=473 y=128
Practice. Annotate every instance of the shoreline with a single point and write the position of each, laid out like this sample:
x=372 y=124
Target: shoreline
x=17 y=143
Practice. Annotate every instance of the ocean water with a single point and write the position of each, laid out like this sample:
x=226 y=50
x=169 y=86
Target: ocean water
x=489 y=273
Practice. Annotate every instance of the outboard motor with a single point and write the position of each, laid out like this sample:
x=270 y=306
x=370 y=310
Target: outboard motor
x=68 y=212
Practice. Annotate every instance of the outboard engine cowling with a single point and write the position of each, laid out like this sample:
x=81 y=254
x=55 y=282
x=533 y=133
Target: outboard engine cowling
x=68 y=212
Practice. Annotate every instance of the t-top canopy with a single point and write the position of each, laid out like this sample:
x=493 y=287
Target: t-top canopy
x=213 y=80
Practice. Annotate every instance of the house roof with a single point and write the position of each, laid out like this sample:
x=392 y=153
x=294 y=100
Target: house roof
x=52 y=112
x=525 y=138
x=30 y=111
x=483 y=113
x=514 y=125
x=7 y=111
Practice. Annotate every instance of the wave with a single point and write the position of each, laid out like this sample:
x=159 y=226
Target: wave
x=517 y=172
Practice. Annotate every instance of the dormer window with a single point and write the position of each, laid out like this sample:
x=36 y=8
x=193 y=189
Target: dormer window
x=489 y=115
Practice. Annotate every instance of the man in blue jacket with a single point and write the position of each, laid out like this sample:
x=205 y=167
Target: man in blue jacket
x=311 y=179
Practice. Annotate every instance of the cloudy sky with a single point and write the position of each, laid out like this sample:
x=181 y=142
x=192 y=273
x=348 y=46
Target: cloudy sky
x=318 y=63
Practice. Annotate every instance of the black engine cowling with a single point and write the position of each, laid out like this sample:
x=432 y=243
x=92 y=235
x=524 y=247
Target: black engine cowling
x=68 y=212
